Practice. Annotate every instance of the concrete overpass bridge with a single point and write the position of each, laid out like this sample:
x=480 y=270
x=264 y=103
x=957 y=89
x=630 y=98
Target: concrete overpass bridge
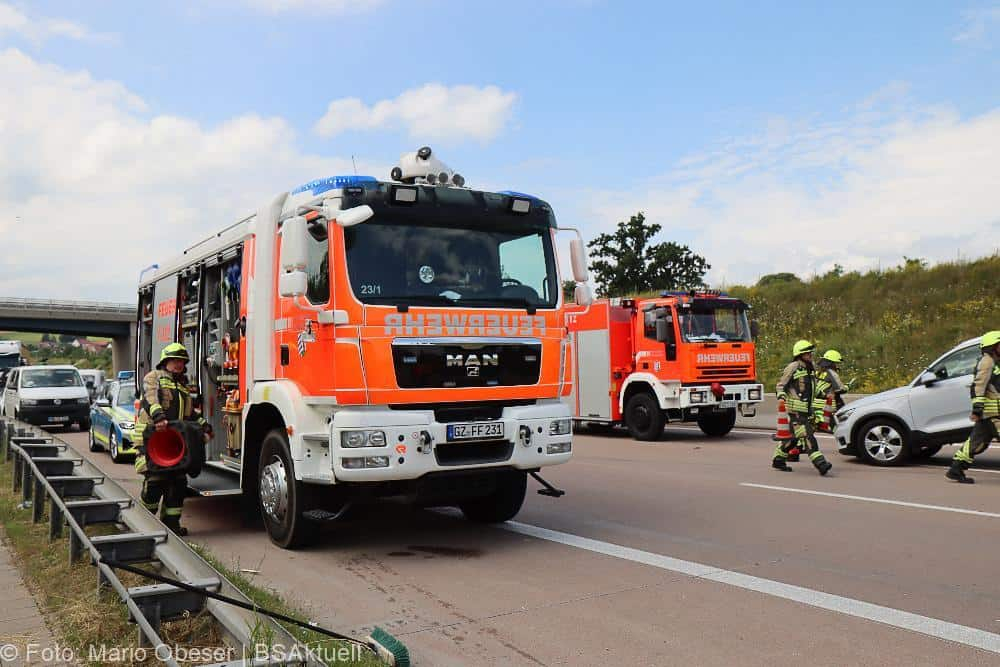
x=78 y=318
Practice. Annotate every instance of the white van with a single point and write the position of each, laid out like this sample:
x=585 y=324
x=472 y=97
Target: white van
x=47 y=396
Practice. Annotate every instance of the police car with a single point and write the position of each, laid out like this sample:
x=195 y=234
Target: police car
x=112 y=421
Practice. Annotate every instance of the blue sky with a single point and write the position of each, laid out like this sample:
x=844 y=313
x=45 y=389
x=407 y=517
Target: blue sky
x=769 y=136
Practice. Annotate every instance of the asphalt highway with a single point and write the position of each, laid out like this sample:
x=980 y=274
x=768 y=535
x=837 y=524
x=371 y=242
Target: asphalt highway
x=687 y=551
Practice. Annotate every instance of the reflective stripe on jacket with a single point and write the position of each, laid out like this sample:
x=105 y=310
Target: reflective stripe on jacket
x=796 y=386
x=986 y=387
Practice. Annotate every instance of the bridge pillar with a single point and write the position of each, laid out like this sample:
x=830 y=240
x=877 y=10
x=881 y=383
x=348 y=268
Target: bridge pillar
x=123 y=352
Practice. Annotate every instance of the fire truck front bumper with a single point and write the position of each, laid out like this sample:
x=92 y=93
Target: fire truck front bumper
x=742 y=396
x=379 y=444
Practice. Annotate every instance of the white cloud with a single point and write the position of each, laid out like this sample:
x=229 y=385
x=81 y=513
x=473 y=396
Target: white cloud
x=102 y=188
x=37 y=29
x=315 y=6
x=978 y=26
x=803 y=196
x=432 y=111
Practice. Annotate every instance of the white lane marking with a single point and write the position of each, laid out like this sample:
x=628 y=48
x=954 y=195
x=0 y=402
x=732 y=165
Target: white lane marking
x=881 y=501
x=745 y=431
x=896 y=618
x=992 y=472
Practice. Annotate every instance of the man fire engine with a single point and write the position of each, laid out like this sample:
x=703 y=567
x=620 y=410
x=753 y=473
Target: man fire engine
x=358 y=338
x=685 y=356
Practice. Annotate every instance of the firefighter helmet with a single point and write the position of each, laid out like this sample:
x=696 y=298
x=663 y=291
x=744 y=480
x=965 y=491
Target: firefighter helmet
x=833 y=356
x=173 y=351
x=989 y=339
x=801 y=347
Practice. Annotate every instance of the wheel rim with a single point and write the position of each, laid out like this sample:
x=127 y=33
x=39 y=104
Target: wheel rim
x=274 y=490
x=883 y=443
x=641 y=417
x=114 y=446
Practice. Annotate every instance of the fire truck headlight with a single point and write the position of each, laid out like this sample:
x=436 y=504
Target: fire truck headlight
x=697 y=397
x=560 y=427
x=754 y=394
x=559 y=447
x=354 y=439
x=377 y=462
x=361 y=462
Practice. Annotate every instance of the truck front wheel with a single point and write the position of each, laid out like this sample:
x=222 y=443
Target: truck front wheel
x=643 y=417
x=717 y=424
x=283 y=499
x=503 y=503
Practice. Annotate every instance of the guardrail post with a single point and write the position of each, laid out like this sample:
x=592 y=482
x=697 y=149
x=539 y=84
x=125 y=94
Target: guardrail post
x=55 y=519
x=26 y=477
x=15 y=480
x=75 y=546
x=38 y=502
x=5 y=438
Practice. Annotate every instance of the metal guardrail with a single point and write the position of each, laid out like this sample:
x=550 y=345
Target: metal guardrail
x=55 y=305
x=49 y=472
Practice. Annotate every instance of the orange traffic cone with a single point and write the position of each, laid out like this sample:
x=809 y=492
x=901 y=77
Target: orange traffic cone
x=784 y=431
x=827 y=424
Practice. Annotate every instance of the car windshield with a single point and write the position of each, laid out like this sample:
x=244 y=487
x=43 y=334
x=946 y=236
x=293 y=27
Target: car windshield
x=126 y=396
x=711 y=323
x=437 y=265
x=51 y=377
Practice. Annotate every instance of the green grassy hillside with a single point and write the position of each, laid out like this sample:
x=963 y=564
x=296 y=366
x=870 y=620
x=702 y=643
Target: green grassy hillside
x=889 y=324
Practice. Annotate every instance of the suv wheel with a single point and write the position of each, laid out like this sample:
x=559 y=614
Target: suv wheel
x=882 y=441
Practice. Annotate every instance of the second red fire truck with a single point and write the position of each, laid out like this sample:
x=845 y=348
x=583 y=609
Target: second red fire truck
x=682 y=356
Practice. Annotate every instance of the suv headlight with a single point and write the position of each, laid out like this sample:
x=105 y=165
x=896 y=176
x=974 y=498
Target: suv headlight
x=29 y=401
x=355 y=439
x=560 y=427
x=844 y=414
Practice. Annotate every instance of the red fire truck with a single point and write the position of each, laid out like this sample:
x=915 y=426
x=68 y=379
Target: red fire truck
x=359 y=338
x=684 y=356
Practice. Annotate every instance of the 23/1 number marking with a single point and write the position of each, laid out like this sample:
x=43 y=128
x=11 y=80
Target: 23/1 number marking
x=370 y=290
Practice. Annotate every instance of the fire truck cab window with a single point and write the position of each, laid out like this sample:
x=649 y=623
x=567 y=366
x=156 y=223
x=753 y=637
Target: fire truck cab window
x=424 y=264
x=714 y=323
x=649 y=321
x=318 y=266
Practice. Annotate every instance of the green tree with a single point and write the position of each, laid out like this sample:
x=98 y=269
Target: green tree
x=627 y=263
x=773 y=278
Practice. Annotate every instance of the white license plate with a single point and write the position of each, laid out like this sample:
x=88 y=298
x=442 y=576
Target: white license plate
x=63 y=418
x=477 y=431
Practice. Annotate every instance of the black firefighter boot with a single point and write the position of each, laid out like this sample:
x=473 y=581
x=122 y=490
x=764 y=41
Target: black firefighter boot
x=822 y=464
x=779 y=464
x=957 y=472
x=174 y=524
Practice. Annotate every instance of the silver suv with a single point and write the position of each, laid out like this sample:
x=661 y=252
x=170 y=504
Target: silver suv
x=914 y=421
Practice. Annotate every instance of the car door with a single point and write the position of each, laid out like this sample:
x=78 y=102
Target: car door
x=108 y=412
x=944 y=404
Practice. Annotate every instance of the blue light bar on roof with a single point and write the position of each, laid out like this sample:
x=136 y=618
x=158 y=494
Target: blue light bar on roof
x=511 y=193
x=321 y=185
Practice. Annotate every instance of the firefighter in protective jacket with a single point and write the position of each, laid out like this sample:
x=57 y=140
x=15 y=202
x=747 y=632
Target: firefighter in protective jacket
x=797 y=388
x=165 y=397
x=985 y=408
x=828 y=384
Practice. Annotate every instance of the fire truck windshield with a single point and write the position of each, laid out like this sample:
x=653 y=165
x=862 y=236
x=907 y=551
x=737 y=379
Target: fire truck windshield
x=475 y=265
x=704 y=323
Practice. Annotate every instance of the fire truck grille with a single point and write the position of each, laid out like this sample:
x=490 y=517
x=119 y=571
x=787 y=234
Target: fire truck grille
x=472 y=453
x=487 y=365
x=713 y=373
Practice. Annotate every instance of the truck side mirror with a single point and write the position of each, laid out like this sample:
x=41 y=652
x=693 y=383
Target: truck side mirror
x=582 y=295
x=754 y=329
x=578 y=258
x=662 y=330
x=294 y=255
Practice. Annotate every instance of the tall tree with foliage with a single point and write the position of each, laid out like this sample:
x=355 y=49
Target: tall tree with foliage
x=626 y=263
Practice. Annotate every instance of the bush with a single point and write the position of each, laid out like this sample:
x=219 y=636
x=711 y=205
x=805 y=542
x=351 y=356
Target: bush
x=889 y=324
